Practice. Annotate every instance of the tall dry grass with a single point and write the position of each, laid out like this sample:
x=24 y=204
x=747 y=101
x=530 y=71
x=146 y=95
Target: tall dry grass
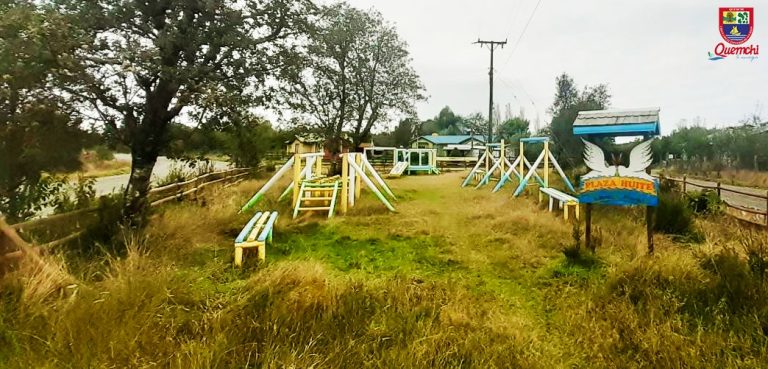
x=456 y=278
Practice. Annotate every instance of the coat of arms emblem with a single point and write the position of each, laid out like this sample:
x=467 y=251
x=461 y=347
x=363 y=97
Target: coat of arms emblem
x=736 y=24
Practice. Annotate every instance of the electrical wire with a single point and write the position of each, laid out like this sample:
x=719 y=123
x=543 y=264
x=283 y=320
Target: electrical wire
x=520 y=38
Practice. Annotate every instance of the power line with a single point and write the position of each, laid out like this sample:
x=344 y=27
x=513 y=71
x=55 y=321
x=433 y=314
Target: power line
x=492 y=46
x=514 y=11
x=523 y=33
x=509 y=83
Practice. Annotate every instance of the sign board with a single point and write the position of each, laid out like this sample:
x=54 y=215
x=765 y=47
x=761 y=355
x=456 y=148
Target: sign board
x=617 y=184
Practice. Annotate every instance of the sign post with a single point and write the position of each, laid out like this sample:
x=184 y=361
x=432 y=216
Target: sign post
x=618 y=183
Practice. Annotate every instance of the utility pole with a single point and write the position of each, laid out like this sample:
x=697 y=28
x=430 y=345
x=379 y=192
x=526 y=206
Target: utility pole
x=492 y=45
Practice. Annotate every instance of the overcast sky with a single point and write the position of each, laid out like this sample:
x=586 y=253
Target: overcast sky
x=650 y=53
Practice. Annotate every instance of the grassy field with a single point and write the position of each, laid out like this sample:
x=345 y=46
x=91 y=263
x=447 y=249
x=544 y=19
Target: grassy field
x=93 y=167
x=458 y=278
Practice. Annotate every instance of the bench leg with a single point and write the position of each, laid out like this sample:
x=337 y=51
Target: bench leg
x=238 y=256
x=565 y=211
x=578 y=213
x=540 y=196
x=551 y=203
x=263 y=252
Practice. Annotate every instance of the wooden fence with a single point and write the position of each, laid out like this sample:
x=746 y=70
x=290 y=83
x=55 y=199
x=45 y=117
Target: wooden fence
x=743 y=212
x=61 y=228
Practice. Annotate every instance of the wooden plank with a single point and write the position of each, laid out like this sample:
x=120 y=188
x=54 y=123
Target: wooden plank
x=764 y=197
x=333 y=199
x=747 y=210
x=62 y=241
x=247 y=229
x=257 y=227
x=344 y=183
x=43 y=221
x=267 y=228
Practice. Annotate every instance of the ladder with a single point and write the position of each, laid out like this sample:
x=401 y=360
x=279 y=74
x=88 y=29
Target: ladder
x=316 y=197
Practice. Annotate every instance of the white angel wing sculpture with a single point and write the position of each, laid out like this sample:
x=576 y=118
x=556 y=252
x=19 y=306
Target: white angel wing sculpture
x=640 y=158
x=594 y=158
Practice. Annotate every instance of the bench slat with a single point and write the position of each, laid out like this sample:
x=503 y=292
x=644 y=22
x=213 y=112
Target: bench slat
x=559 y=195
x=257 y=227
x=247 y=229
x=268 y=227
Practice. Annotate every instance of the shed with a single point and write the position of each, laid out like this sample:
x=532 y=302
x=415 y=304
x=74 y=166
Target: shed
x=441 y=143
x=302 y=144
x=629 y=122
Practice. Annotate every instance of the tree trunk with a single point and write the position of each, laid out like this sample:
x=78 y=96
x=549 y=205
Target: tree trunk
x=136 y=206
x=146 y=142
x=333 y=146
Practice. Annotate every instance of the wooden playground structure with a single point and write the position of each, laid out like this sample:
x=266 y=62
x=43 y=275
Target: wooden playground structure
x=312 y=191
x=408 y=161
x=492 y=161
x=498 y=167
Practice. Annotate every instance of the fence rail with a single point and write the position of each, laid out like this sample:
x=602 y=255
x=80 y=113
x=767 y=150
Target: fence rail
x=753 y=214
x=62 y=228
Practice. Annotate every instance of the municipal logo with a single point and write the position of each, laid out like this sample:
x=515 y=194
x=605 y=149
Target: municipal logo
x=736 y=24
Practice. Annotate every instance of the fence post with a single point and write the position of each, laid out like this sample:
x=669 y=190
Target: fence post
x=718 y=189
x=766 y=208
x=684 y=178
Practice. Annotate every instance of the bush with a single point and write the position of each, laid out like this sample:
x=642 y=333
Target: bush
x=83 y=191
x=705 y=202
x=176 y=174
x=675 y=217
x=103 y=153
x=667 y=185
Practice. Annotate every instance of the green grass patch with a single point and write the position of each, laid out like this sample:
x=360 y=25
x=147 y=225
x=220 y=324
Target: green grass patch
x=347 y=252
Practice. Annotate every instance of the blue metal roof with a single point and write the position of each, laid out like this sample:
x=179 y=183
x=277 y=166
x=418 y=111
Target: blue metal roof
x=534 y=139
x=637 y=122
x=450 y=139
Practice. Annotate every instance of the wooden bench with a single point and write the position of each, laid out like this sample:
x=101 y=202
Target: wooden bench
x=479 y=174
x=565 y=200
x=256 y=233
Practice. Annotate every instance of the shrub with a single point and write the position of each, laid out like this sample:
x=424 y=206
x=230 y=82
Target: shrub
x=755 y=246
x=176 y=174
x=675 y=217
x=72 y=196
x=705 y=202
x=667 y=185
x=103 y=153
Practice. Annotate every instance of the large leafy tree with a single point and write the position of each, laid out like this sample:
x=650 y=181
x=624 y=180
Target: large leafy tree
x=406 y=131
x=449 y=123
x=37 y=133
x=513 y=129
x=144 y=62
x=356 y=75
x=569 y=101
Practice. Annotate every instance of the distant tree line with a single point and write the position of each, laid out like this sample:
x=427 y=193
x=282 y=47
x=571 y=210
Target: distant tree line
x=510 y=128
x=742 y=146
